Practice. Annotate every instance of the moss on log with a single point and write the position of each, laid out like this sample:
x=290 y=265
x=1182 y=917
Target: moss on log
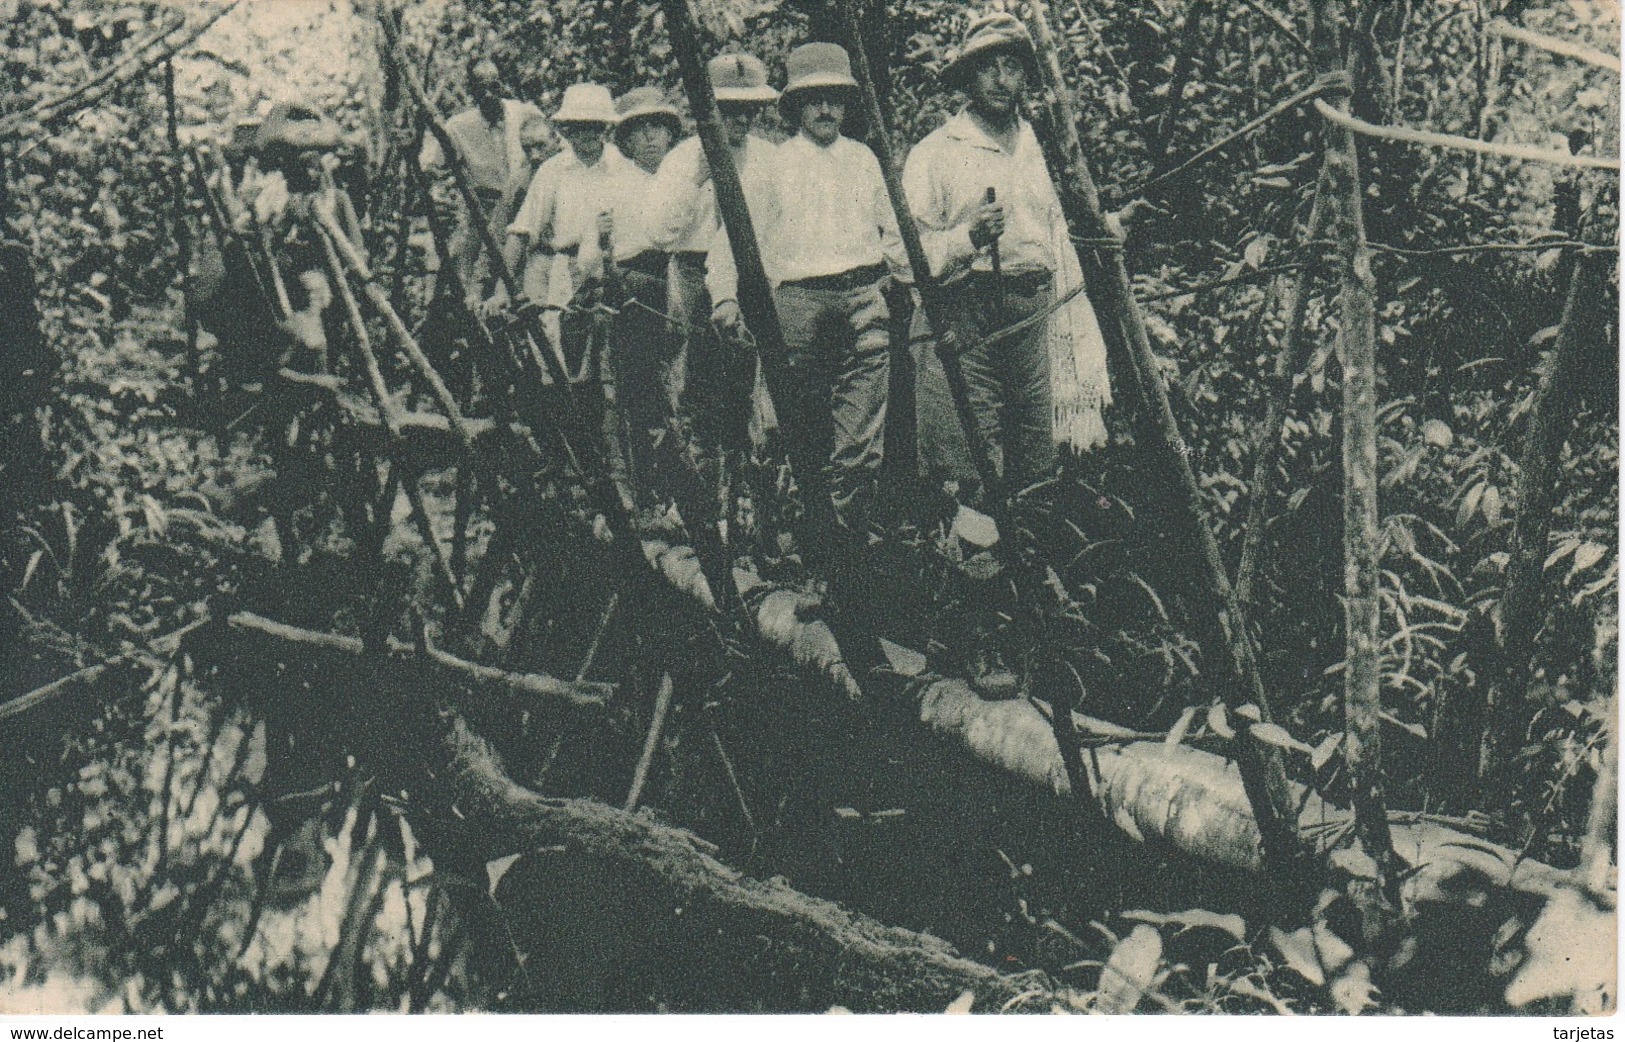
x=620 y=912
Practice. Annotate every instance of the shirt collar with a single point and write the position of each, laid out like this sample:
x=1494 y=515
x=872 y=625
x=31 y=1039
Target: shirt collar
x=961 y=127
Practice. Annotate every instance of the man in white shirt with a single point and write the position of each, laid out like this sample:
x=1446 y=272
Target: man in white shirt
x=712 y=383
x=1018 y=384
x=489 y=137
x=643 y=346
x=829 y=242
x=563 y=202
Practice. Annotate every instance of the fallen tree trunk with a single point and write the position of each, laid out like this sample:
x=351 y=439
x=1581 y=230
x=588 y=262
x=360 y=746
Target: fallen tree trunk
x=1189 y=800
x=621 y=908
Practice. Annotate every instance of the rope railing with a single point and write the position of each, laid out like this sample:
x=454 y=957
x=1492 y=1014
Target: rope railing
x=1553 y=45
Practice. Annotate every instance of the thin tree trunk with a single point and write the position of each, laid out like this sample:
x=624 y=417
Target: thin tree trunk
x=1289 y=359
x=1179 y=80
x=1261 y=767
x=1522 y=607
x=1362 y=673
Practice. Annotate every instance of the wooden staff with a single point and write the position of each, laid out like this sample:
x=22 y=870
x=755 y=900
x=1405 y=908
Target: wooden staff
x=755 y=293
x=1262 y=770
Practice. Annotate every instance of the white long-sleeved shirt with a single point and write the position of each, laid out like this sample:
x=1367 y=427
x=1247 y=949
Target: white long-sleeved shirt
x=822 y=211
x=494 y=156
x=683 y=207
x=629 y=206
x=566 y=196
x=946 y=179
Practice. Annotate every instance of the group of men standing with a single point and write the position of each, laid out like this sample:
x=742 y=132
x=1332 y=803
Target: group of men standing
x=626 y=203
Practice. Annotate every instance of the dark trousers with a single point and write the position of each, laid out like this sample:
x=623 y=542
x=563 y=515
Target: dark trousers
x=837 y=364
x=643 y=356
x=711 y=382
x=1008 y=382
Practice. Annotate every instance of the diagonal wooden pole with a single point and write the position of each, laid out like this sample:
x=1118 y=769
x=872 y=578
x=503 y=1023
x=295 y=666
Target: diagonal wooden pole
x=1262 y=770
x=755 y=291
x=932 y=300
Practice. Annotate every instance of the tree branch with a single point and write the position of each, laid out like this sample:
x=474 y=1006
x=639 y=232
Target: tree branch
x=1423 y=137
x=1502 y=28
x=539 y=686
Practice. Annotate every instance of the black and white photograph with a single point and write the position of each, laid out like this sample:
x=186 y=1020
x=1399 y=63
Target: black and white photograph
x=808 y=507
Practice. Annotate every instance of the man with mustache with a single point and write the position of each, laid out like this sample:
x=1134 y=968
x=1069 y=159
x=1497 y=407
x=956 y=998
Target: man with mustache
x=711 y=385
x=490 y=137
x=829 y=241
x=1002 y=262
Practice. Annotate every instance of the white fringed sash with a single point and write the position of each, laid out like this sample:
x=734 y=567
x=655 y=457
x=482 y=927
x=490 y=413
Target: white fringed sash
x=1079 y=385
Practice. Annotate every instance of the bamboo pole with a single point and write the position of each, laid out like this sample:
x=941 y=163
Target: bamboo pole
x=651 y=743
x=1262 y=769
x=932 y=299
x=1362 y=673
x=553 y=359
x=1579 y=52
x=1466 y=144
x=1289 y=359
x=1522 y=608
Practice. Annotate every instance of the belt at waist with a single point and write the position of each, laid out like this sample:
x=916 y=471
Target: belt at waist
x=649 y=262
x=1025 y=283
x=550 y=251
x=846 y=280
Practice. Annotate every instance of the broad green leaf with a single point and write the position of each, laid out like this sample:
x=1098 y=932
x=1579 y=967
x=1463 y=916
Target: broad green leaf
x=1191 y=918
x=1278 y=736
x=1353 y=991
x=1587 y=555
x=1182 y=726
x=1438 y=434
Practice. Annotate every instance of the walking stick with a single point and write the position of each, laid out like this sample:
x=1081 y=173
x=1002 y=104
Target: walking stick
x=998 y=265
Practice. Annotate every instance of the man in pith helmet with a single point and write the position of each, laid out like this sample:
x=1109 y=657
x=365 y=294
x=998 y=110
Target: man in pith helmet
x=644 y=345
x=829 y=241
x=565 y=197
x=1005 y=260
x=713 y=383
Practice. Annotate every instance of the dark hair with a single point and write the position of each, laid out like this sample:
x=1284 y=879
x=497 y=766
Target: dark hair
x=790 y=107
x=671 y=122
x=961 y=77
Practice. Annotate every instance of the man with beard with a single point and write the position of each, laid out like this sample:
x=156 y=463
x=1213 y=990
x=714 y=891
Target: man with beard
x=829 y=240
x=490 y=138
x=995 y=237
x=711 y=383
